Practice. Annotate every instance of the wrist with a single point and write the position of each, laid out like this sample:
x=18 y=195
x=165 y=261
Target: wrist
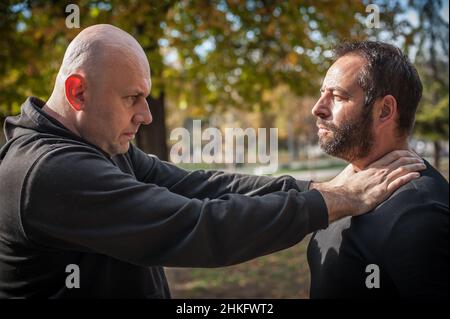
x=336 y=201
x=323 y=186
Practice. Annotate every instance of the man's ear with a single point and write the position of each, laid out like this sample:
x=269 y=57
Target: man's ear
x=386 y=109
x=75 y=88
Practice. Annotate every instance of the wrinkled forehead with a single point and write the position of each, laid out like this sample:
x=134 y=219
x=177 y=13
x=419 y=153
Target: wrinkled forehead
x=344 y=72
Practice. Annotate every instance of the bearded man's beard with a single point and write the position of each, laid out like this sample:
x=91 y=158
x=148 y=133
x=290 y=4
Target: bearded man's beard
x=351 y=140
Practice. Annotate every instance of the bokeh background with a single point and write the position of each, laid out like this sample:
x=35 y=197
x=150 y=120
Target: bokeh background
x=248 y=64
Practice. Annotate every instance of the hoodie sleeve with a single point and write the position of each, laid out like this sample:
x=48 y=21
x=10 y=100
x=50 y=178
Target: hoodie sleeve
x=76 y=199
x=203 y=184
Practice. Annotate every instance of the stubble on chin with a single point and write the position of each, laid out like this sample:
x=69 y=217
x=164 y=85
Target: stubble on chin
x=350 y=142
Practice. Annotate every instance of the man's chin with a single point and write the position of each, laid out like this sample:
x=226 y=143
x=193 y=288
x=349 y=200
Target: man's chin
x=325 y=140
x=347 y=155
x=120 y=149
x=124 y=148
x=327 y=146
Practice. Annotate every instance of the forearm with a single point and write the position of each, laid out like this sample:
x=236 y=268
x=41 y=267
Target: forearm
x=210 y=184
x=213 y=184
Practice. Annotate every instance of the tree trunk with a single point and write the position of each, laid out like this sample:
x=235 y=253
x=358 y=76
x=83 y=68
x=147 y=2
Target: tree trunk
x=152 y=138
x=437 y=154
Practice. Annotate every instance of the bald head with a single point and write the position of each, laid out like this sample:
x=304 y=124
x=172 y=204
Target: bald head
x=101 y=88
x=96 y=48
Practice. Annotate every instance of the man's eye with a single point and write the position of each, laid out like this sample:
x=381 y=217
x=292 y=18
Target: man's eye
x=132 y=98
x=338 y=98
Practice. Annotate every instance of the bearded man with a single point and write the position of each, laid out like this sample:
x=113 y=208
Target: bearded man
x=367 y=108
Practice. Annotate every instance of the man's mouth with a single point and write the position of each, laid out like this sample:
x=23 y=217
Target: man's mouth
x=130 y=135
x=322 y=129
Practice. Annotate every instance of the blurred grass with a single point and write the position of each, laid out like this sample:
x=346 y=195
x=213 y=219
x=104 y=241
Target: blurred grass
x=284 y=274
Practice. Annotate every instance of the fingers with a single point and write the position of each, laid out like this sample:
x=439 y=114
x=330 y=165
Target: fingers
x=404 y=170
x=406 y=161
x=393 y=156
x=395 y=184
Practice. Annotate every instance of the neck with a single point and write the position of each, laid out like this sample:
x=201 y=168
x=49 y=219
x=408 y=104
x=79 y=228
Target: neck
x=378 y=151
x=56 y=109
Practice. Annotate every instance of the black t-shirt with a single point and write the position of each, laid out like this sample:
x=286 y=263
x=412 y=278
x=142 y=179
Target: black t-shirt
x=398 y=250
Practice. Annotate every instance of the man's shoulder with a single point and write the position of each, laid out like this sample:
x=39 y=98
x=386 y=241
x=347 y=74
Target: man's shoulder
x=419 y=207
x=424 y=194
x=25 y=153
x=421 y=204
x=47 y=156
x=66 y=153
x=431 y=183
x=69 y=159
x=38 y=144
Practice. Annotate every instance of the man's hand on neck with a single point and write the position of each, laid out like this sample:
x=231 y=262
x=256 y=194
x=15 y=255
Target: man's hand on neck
x=353 y=192
x=379 y=150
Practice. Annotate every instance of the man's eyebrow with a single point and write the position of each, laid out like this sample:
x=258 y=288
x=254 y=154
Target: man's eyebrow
x=336 y=88
x=137 y=92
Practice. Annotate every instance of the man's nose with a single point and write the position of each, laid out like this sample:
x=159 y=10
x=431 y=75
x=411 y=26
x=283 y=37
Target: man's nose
x=144 y=116
x=322 y=108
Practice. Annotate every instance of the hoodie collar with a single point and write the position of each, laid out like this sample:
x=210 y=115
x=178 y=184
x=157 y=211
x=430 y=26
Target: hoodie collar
x=33 y=119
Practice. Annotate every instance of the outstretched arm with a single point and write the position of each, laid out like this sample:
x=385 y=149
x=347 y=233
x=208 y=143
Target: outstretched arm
x=206 y=184
x=349 y=193
x=95 y=207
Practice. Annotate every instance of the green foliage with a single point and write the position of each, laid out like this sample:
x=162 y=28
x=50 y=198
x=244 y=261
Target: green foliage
x=232 y=52
x=426 y=42
x=33 y=37
x=432 y=120
x=226 y=52
x=431 y=36
x=211 y=55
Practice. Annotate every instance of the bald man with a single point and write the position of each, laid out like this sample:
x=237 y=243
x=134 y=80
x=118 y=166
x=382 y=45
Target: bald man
x=84 y=213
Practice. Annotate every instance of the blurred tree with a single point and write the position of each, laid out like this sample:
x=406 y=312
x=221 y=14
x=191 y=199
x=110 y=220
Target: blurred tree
x=232 y=52
x=423 y=33
x=226 y=52
x=27 y=64
x=235 y=53
x=205 y=55
x=432 y=58
x=432 y=117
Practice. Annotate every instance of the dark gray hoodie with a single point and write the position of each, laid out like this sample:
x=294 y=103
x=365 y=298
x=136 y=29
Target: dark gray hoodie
x=65 y=203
